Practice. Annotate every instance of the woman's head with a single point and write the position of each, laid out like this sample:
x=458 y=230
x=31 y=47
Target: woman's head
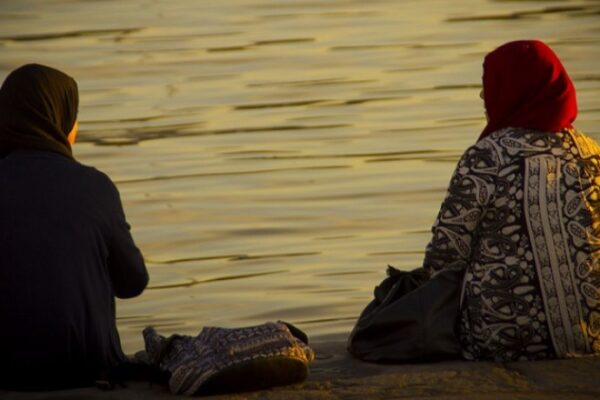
x=525 y=85
x=38 y=110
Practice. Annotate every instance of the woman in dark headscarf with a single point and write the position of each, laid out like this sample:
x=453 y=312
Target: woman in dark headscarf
x=522 y=217
x=65 y=246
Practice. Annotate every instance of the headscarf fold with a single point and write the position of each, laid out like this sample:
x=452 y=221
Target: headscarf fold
x=38 y=108
x=525 y=85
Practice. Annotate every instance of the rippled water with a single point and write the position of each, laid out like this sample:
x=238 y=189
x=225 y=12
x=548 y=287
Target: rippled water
x=273 y=156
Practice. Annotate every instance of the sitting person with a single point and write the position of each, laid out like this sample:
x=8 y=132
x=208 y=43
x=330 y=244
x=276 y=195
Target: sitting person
x=65 y=246
x=522 y=217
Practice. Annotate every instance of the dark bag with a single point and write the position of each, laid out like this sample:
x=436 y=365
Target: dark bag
x=412 y=318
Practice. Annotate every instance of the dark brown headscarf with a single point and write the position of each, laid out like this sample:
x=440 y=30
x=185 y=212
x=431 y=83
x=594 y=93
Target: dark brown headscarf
x=38 y=108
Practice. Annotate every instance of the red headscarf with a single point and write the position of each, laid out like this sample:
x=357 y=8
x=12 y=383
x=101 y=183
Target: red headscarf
x=525 y=85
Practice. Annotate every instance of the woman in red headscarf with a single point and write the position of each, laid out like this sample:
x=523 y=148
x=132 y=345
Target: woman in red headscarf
x=522 y=217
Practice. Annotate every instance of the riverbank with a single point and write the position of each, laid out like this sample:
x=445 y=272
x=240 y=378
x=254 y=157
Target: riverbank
x=336 y=375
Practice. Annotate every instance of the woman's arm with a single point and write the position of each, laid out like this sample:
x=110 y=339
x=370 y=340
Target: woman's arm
x=125 y=263
x=470 y=193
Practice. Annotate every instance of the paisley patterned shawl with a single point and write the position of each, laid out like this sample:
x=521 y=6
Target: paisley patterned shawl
x=522 y=216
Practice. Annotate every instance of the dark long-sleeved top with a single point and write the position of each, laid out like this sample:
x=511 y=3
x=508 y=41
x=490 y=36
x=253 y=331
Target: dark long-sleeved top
x=65 y=253
x=522 y=219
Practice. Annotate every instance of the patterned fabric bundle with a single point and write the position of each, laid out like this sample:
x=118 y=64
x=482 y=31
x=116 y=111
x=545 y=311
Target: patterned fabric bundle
x=225 y=360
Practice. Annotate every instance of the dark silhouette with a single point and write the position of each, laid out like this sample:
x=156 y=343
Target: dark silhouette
x=65 y=246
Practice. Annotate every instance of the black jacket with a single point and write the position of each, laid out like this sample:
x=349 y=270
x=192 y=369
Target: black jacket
x=65 y=253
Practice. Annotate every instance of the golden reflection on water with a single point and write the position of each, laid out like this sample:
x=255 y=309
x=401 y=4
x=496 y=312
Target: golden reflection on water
x=274 y=156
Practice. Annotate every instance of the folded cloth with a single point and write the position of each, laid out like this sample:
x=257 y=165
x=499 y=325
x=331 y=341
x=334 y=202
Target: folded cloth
x=220 y=360
x=412 y=318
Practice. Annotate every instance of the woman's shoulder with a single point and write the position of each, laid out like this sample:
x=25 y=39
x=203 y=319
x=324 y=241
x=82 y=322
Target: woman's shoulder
x=522 y=142
x=522 y=135
x=97 y=178
x=586 y=146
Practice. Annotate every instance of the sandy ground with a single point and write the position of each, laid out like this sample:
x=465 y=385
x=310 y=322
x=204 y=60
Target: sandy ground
x=336 y=375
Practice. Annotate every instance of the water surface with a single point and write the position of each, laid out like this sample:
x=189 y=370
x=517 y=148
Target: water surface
x=274 y=156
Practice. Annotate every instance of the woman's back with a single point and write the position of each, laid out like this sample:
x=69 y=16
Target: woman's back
x=533 y=277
